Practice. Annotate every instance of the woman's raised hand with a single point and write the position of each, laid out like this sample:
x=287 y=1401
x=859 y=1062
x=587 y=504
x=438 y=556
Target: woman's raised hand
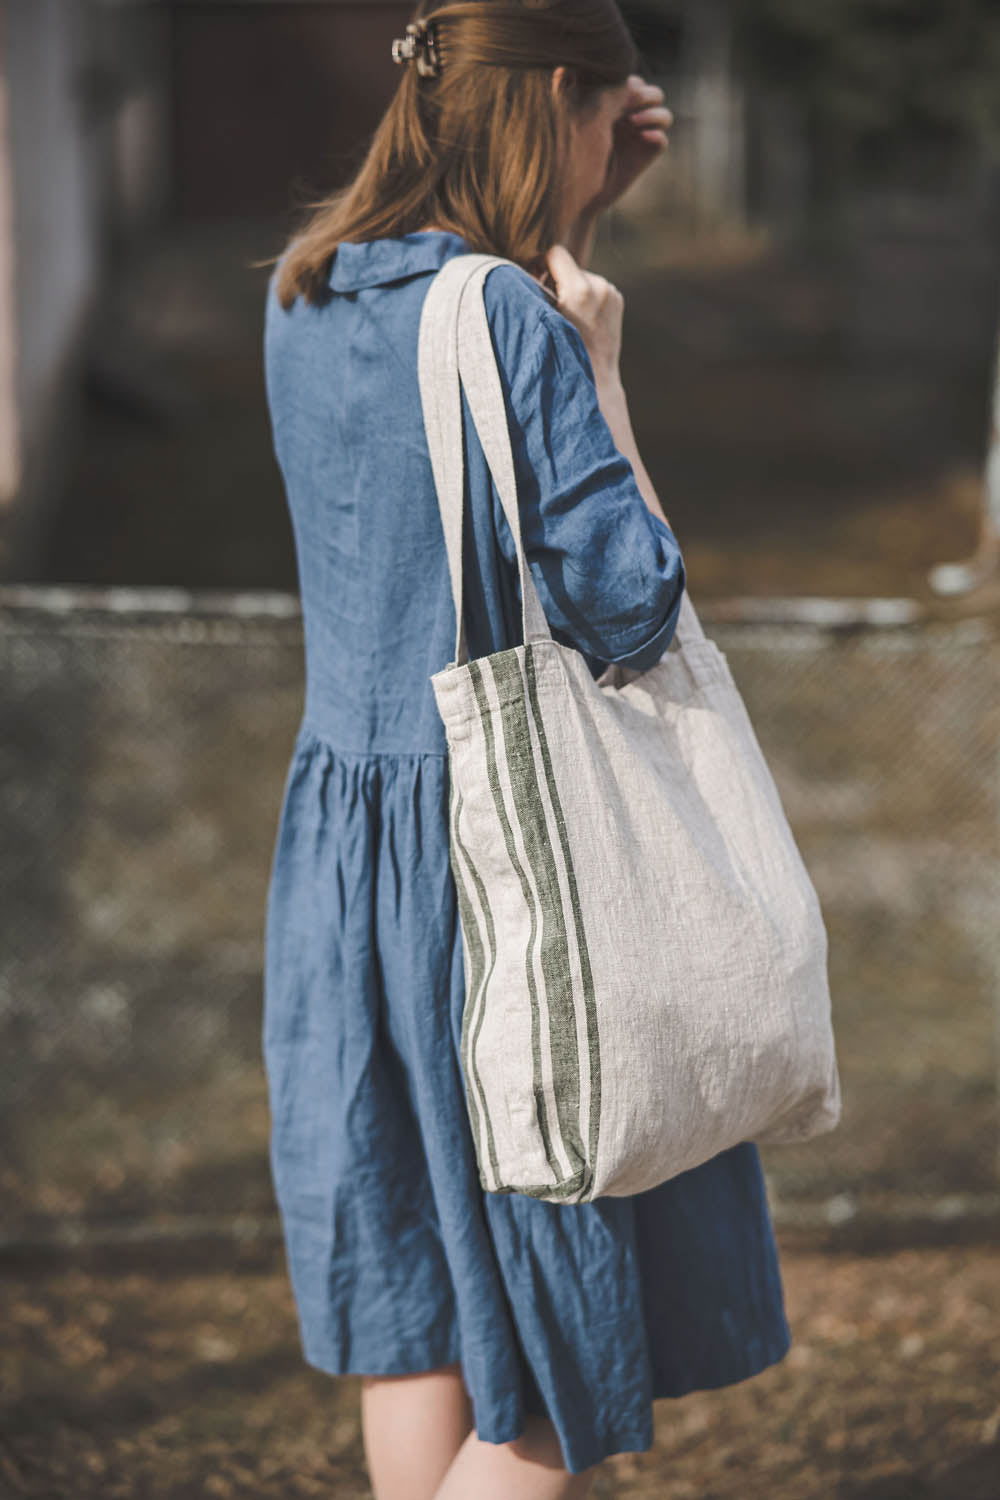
x=640 y=138
x=594 y=306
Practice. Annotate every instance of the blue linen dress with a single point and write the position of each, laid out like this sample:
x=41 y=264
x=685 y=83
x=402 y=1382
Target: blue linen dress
x=399 y=1261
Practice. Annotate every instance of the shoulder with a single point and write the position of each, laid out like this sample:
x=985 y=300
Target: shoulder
x=529 y=332
x=277 y=320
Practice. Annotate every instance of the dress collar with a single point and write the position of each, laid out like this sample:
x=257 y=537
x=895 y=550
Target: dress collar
x=375 y=262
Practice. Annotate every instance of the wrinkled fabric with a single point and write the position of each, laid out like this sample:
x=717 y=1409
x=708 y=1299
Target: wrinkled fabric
x=399 y=1261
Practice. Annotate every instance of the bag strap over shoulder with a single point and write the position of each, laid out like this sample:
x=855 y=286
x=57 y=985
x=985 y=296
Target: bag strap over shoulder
x=455 y=352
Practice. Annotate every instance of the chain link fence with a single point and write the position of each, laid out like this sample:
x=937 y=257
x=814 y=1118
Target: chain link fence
x=147 y=736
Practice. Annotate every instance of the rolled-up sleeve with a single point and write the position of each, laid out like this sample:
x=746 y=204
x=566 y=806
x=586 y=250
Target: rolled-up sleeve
x=609 y=572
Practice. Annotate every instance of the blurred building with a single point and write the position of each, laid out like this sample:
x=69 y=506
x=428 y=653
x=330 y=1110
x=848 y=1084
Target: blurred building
x=84 y=132
x=117 y=115
x=120 y=117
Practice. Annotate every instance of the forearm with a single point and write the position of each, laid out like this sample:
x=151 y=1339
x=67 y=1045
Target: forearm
x=613 y=403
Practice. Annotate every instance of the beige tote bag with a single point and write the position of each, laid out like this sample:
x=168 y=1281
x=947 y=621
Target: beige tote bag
x=645 y=955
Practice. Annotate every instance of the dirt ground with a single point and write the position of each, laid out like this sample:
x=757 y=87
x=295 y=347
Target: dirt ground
x=189 y=1382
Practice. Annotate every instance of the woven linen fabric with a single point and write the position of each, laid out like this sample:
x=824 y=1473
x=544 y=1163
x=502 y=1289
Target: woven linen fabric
x=646 y=957
x=398 y=1260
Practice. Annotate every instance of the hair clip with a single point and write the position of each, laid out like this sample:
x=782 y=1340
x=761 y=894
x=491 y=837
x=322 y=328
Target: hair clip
x=420 y=42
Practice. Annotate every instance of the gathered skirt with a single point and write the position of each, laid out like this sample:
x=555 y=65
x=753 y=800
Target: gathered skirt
x=399 y=1261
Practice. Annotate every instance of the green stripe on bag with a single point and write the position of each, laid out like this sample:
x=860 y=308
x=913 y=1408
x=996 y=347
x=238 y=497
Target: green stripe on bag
x=586 y=973
x=477 y=984
x=537 y=835
x=493 y=776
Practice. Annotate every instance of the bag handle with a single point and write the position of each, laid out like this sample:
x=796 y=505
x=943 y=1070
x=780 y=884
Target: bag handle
x=455 y=346
x=455 y=350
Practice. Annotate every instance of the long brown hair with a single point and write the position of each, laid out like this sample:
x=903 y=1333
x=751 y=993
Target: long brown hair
x=478 y=148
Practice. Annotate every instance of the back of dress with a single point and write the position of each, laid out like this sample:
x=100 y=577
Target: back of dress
x=348 y=434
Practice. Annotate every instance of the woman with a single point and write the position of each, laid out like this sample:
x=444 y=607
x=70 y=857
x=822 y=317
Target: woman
x=507 y=1344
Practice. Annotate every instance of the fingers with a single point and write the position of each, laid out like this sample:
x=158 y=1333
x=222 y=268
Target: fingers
x=566 y=274
x=643 y=91
x=573 y=283
x=646 y=100
x=658 y=117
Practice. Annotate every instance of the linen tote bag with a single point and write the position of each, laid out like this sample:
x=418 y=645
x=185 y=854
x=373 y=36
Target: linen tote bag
x=644 y=952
